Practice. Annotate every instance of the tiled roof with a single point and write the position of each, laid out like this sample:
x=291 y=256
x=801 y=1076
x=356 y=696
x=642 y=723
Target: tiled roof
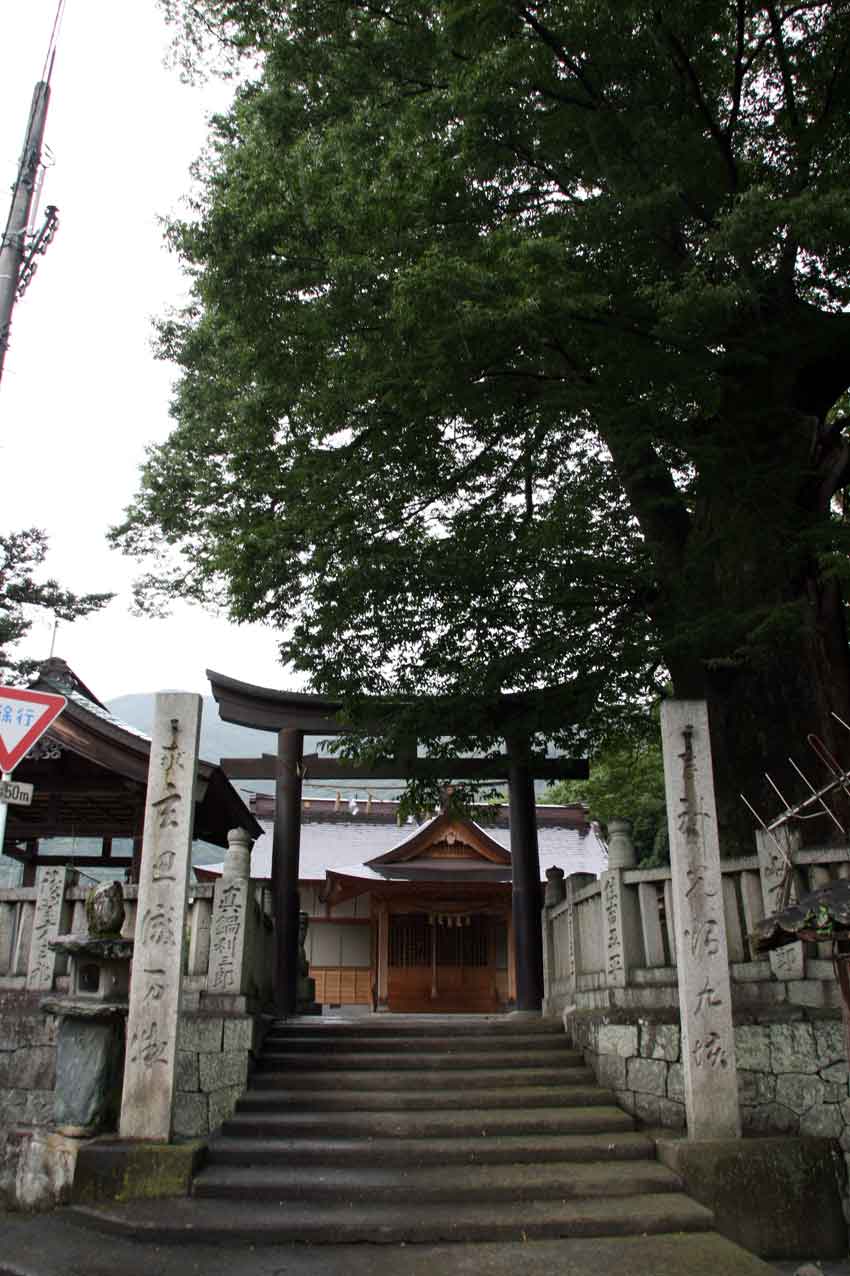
x=348 y=846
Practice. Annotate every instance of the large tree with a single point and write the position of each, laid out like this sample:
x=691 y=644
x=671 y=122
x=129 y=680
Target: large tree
x=517 y=336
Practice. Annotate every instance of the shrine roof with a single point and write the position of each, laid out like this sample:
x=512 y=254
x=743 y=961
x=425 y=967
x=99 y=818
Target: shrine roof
x=350 y=847
x=90 y=772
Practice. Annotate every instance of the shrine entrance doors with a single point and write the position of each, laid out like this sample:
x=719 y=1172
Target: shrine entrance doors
x=447 y=962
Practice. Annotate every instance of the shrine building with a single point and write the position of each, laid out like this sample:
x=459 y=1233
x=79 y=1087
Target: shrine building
x=414 y=919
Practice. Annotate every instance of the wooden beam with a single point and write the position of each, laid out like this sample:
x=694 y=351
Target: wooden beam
x=76 y=861
x=317 y=768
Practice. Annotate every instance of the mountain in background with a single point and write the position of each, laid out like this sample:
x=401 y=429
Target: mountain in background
x=227 y=740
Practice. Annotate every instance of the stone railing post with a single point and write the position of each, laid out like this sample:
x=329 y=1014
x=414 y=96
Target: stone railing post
x=199 y=937
x=49 y=906
x=788 y=962
x=575 y=882
x=233 y=918
x=621 y=920
x=555 y=894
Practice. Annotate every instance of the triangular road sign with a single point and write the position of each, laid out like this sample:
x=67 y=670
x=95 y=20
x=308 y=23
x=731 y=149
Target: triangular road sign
x=24 y=716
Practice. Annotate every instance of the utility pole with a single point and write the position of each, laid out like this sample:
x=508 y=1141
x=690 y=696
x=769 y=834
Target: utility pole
x=18 y=249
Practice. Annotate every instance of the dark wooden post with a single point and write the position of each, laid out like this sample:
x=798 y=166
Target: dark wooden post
x=286 y=849
x=527 y=899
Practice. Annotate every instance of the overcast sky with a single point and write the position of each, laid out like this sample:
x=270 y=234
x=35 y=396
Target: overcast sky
x=81 y=394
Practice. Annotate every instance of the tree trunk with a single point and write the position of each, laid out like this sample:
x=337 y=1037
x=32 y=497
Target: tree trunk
x=748 y=621
x=763 y=713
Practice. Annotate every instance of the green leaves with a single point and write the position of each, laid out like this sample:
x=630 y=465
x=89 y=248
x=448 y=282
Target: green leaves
x=512 y=328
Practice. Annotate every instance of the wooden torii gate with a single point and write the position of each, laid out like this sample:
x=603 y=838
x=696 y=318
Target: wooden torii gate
x=293 y=714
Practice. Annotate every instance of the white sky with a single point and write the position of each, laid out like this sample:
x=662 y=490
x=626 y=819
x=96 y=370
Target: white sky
x=81 y=393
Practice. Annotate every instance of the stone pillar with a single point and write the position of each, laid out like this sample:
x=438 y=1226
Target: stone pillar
x=149 y=1072
x=621 y=848
x=788 y=962
x=46 y=925
x=621 y=928
x=525 y=876
x=286 y=852
x=575 y=882
x=230 y=933
x=200 y=922
x=556 y=891
x=705 y=997
x=554 y=895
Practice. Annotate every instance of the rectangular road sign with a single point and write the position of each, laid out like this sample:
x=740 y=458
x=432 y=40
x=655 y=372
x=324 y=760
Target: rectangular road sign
x=14 y=791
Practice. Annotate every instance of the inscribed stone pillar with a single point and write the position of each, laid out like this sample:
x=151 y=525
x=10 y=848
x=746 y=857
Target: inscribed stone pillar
x=788 y=962
x=705 y=998
x=230 y=938
x=621 y=928
x=155 y=993
x=46 y=925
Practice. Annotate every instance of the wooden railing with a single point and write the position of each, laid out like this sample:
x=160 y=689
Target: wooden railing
x=32 y=915
x=611 y=941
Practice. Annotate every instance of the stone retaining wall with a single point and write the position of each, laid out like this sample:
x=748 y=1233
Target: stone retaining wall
x=27 y=1059
x=214 y=1054
x=792 y=1068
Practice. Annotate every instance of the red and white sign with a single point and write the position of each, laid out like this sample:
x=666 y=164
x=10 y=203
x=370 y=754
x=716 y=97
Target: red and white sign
x=24 y=716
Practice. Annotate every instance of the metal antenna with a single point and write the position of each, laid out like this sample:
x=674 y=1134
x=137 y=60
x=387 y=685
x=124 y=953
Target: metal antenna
x=813 y=806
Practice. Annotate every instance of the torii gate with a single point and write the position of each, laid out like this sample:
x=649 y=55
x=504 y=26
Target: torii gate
x=294 y=714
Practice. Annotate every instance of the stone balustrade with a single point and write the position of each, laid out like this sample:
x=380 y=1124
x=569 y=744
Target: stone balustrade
x=633 y=909
x=610 y=972
x=24 y=933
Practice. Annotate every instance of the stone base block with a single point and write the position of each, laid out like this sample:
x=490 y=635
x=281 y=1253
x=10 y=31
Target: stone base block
x=89 y=1064
x=36 y=1168
x=780 y=1198
x=119 y=1170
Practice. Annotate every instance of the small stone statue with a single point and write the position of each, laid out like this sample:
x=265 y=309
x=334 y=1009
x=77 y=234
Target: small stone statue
x=105 y=910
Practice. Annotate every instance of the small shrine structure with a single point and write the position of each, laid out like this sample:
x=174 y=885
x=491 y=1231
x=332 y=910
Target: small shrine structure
x=90 y=773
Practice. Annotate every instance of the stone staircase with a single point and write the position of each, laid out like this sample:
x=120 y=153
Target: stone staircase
x=402 y=1130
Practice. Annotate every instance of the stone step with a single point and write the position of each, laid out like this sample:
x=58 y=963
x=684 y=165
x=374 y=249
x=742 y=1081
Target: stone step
x=614 y=1145
x=402 y=1043
x=252 y=1223
x=453 y=1185
x=472 y=1123
x=517 y=1079
x=416 y=1025
x=274 y=1060
x=68 y=1248
x=334 y=1099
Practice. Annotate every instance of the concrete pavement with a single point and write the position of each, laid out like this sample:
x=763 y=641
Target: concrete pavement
x=50 y=1245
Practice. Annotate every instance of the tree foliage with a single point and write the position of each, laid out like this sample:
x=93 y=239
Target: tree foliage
x=515 y=336
x=22 y=555
x=626 y=783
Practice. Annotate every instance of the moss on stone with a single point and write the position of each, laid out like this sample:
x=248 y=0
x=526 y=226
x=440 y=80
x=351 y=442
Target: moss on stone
x=118 y=1171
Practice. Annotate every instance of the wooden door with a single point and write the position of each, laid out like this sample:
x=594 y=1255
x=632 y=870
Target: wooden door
x=442 y=969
